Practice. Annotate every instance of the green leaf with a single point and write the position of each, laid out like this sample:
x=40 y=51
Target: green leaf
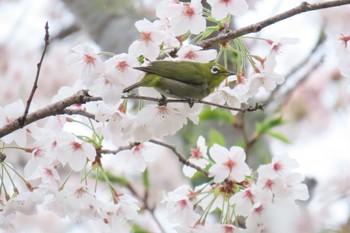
x=116 y=179
x=269 y=123
x=145 y=179
x=135 y=228
x=279 y=136
x=208 y=31
x=211 y=19
x=216 y=114
x=141 y=59
x=215 y=137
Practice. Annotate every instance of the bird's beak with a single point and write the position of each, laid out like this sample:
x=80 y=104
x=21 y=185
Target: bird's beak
x=230 y=73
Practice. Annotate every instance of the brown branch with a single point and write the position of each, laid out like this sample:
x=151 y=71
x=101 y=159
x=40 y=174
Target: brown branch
x=57 y=108
x=302 y=8
x=22 y=121
x=179 y=156
x=161 y=101
x=80 y=112
x=121 y=148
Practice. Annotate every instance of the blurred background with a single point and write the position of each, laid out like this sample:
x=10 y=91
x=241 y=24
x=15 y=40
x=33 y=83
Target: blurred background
x=307 y=117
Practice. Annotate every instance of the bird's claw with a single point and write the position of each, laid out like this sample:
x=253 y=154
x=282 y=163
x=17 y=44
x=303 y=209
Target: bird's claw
x=162 y=101
x=191 y=102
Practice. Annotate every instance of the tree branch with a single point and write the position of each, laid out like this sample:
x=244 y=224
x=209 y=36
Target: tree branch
x=80 y=112
x=22 y=121
x=302 y=8
x=166 y=101
x=179 y=156
x=57 y=108
x=121 y=148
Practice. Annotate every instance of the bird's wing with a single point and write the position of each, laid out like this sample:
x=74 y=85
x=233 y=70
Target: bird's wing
x=186 y=72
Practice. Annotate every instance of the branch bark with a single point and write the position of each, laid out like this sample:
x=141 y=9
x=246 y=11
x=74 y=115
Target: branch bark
x=35 y=85
x=302 y=8
x=57 y=108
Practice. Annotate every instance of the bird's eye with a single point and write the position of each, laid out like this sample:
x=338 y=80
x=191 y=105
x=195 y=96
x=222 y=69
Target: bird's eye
x=214 y=70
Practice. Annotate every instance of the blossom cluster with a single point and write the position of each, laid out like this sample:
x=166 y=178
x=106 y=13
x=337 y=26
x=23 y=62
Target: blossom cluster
x=242 y=198
x=70 y=170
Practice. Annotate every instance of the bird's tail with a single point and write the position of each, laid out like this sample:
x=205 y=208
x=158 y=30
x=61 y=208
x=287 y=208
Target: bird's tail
x=136 y=85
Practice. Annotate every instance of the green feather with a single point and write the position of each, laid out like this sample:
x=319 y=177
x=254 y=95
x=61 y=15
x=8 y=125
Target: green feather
x=183 y=79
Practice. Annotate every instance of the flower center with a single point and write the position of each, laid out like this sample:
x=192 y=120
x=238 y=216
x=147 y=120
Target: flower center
x=89 y=59
x=76 y=146
x=196 y=153
x=122 y=66
x=191 y=55
x=230 y=164
x=225 y=1
x=146 y=36
x=277 y=167
x=188 y=11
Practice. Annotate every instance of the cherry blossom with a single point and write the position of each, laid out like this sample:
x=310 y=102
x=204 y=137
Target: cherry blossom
x=220 y=8
x=198 y=157
x=157 y=121
x=137 y=158
x=277 y=46
x=9 y=113
x=232 y=97
x=117 y=124
x=281 y=165
x=228 y=163
x=40 y=166
x=226 y=228
x=186 y=17
x=75 y=152
x=120 y=67
x=165 y=6
x=148 y=43
x=180 y=206
x=25 y=203
x=195 y=53
x=264 y=77
x=119 y=213
x=88 y=60
x=343 y=53
x=108 y=88
x=77 y=202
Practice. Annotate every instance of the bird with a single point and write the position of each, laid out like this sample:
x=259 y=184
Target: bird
x=182 y=79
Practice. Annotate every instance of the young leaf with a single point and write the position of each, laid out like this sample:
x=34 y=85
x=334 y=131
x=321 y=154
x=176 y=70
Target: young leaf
x=278 y=136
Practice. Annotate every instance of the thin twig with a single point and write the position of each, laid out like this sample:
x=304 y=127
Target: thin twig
x=35 y=85
x=166 y=101
x=179 y=156
x=128 y=147
x=81 y=97
x=256 y=27
x=80 y=112
x=160 y=227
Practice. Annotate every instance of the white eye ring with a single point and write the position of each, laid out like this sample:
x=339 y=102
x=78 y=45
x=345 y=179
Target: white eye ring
x=214 y=70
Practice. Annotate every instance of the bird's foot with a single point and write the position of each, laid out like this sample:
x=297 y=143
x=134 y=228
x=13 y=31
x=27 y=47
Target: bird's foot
x=162 y=101
x=190 y=102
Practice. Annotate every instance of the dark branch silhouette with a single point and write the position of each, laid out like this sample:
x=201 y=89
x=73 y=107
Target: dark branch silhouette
x=302 y=8
x=22 y=121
